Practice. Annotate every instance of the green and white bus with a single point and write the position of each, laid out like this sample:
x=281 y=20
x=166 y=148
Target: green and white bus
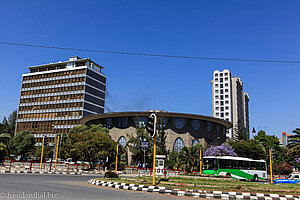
x=236 y=167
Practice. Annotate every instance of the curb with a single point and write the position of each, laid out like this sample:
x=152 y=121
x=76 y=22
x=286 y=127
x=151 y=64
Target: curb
x=195 y=193
x=36 y=172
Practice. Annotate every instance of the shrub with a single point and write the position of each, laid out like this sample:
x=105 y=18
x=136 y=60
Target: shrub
x=111 y=175
x=283 y=168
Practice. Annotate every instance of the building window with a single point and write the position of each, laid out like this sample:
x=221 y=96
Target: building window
x=140 y=121
x=217 y=108
x=226 y=108
x=226 y=90
x=108 y=122
x=216 y=79
x=222 y=108
x=122 y=122
x=179 y=122
x=226 y=78
x=216 y=91
x=226 y=84
x=221 y=97
x=217 y=102
x=222 y=103
x=195 y=141
x=196 y=124
x=216 y=75
x=226 y=102
x=122 y=141
x=226 y=74
x=221 y=80
x=209 y=126
x=217 y=97
x=222 y=114
x=221 y=91
x=227 y=114
x=217 y=114
x=226 y=96
x=221 y=74
x=162 y=120
x=227 y=119
x=178 y=144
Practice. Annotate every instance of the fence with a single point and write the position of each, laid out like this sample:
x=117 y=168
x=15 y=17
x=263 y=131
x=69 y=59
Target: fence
x=46 y=166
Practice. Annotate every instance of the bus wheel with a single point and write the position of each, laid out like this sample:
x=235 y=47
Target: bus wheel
x=228 y=175
x=255 y=178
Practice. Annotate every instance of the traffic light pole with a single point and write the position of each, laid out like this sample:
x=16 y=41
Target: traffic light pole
x=271 y=171
x=42 y=152
x=56 y=152
x=200 y=161
x=116 y=168
x=154 y=150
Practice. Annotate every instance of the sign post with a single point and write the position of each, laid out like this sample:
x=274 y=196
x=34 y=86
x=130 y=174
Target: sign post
x=144 y=145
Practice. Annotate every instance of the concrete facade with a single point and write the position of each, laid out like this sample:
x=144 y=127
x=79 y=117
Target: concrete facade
x=55 y=96
x=186 y=129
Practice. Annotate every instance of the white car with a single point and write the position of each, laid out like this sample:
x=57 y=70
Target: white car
x=294 y=176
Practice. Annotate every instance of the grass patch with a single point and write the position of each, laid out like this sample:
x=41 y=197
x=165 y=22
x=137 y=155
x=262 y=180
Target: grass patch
x=207 y=184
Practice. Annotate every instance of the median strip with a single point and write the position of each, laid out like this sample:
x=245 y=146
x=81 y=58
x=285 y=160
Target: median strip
x=194 y=193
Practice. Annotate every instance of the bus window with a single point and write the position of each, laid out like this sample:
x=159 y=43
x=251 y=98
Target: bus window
x=210 y=164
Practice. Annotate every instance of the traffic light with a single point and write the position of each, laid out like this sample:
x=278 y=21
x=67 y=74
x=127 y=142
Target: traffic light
x=119 y=149
x=272 y=153
x=45 y=141
x=151 y=124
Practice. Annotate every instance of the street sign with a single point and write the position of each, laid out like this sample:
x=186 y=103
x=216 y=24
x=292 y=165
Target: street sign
x=144 y=145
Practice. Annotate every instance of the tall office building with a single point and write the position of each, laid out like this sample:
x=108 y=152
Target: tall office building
x=55 y=96
x=230 y=102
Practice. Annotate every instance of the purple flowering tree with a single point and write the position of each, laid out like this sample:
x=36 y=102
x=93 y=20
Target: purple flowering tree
x=297 y=160
x=222 y=150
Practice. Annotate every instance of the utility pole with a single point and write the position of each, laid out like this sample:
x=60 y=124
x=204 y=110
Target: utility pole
x=271 y=153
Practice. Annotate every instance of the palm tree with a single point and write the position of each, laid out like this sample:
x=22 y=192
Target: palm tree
x=4 y=139
x=189 y=158
x=294 y=144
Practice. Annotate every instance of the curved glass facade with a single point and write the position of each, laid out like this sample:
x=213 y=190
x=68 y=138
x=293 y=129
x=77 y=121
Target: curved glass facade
x=179 y=123
x=178 y=144
x=209 y=126
x=122 y=122
x=196 y=124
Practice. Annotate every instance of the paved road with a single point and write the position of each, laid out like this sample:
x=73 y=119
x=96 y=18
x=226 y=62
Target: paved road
x=17 y=186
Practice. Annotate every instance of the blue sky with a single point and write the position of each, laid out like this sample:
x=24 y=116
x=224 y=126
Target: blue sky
x=233 y=29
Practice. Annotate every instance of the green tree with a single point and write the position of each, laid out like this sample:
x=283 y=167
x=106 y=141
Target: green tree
x=22 y=144
x=293 y=147
x=188 y=158
x=4 y=141
x=240 y=131
x=161 y=147
x=89 y=144
x=271 y=141
x=134 y=146
x=9 y=124
x=249 y=149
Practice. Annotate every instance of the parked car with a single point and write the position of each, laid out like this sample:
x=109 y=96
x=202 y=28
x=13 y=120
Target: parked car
x=292 y=179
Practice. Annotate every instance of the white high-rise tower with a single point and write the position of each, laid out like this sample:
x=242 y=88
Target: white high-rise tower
x=230 y=102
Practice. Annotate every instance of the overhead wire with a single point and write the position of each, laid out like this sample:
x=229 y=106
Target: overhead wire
x=153 y=55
